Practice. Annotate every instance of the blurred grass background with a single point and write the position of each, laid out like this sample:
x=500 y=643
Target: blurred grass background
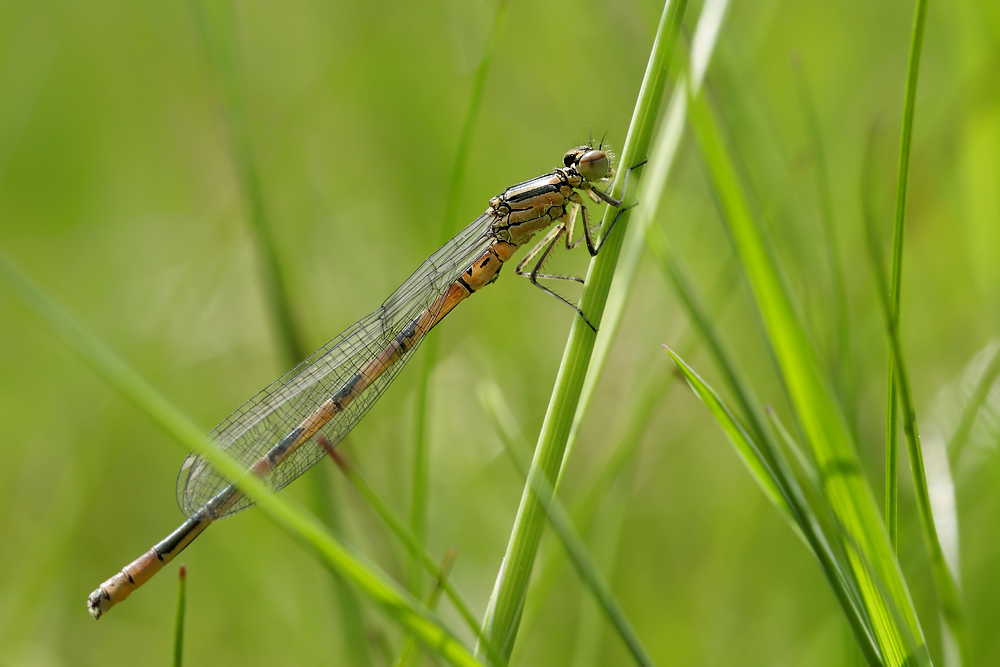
x=118 y=193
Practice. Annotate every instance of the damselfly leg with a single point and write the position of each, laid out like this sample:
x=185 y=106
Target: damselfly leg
x=564 y=229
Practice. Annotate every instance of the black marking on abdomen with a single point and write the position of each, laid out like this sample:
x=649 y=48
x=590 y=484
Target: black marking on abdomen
x=279 y=449
x=170 y=543
x=402 y=340
x=346 y=390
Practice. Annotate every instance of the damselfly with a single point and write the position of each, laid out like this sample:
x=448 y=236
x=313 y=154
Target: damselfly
x=286 y=428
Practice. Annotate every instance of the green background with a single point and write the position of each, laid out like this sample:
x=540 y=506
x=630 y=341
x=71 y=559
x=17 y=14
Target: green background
x=119 y=195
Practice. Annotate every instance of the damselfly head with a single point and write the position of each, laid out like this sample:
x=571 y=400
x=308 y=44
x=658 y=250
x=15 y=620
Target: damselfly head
x=593 y=165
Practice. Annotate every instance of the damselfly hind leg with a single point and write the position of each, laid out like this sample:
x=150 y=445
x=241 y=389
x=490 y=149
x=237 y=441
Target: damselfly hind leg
x=545 y=248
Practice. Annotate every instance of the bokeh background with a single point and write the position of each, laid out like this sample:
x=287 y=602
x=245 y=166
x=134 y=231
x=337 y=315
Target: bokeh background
x=119 y=194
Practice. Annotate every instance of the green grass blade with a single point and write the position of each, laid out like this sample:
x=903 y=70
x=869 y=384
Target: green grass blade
x=804 y=463
x=784 y=482
x=179 y=617
x=636 y=423
x=507 y=602
x=669 y=263
x=602 y=484
x=839 y=358
x=414 y=546
x=805 y=527
x=825 y=431
x=409 y=648
x=896 y=272
x=661 y=159
x=973 y=407
x=355 y=634
x=744 y=444
x=421 y=404
x=663 y=152
x=495 y=405
x=945 y=580
x=216 y=24
x=398 y=605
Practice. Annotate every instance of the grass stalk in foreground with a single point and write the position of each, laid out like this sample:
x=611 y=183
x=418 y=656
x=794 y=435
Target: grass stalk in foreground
x=507 y=602
x=883 y=594
x=973 y=407
x=396 y=602
x=896 y=273
x=413 y=545
x=354 y=634
x=179 y=618
x=605 y=480
x=789 y=484
x=944 y=579
x=839 y=358
x=409 y=648
x=808 y=518
x=421 y=404
x=493 y=401
x=661 y=159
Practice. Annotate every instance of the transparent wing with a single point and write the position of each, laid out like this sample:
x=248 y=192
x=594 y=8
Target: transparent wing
x=264 y=420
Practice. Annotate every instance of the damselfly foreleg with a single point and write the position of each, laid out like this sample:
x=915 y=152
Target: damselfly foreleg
x=617 y=203
x=608 y=198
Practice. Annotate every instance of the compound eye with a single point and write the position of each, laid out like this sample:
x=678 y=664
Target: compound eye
x=594 y=165
x=571 y=156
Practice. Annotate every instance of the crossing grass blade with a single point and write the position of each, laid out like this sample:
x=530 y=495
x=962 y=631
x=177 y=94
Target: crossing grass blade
x=180 y=616
x=973 y=406
x=896 y=270
x=504 y=613
x=790 y=483
x=663 y=154
x=492 y=400
x=883 y=594
x=944 y=579
x=806 y=513
x=410 y=645
x=216 y=21
x=415 y=548
x=603 y=485
x=396 y=602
